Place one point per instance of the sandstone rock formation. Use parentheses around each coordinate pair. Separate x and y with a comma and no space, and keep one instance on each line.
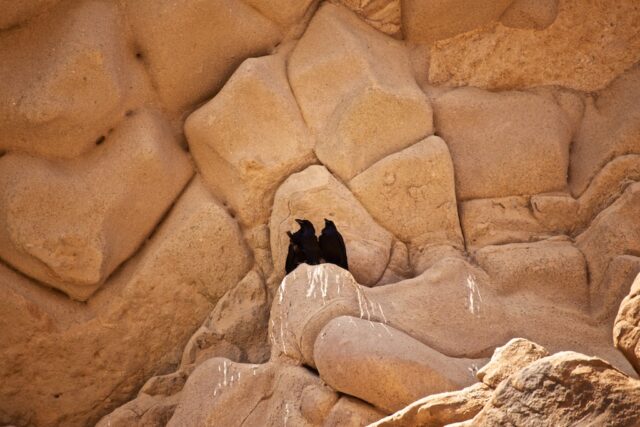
(60,227)
(153,155)
(489,151)
(561,390)
(250,137)
(626,332)
(356,92)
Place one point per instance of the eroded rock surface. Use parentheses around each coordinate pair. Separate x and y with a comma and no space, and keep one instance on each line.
(356,92)
(493,137)
(250,137)
(61,226)
(562,390)
(626,330)
(132,329)
(517,220)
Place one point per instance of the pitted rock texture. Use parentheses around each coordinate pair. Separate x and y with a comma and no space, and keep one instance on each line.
(153,155)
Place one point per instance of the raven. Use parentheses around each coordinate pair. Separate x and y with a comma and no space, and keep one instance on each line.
(332,245)
(295,256)
(308,242)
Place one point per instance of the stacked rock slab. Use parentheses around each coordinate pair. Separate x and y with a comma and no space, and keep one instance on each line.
(67,77)
(250,137)
(356,91)
(136,326)
(60,225)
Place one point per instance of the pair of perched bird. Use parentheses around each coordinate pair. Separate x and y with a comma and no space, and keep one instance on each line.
(305,247)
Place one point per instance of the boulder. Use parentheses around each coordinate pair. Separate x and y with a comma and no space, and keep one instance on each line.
(626,329)
(383,15)
(384,366)
(565,389)
(615,231)
(93,357)
(490,152)
(222,393)
(215,37)
(71,223)
(411,193)
(508,359)
(67,78)
(427,21)
(440,409)
(356,91)
(534,14)
(241,317)
(555,271)
(249,138)
(610,128)
(315,194)
(498,57)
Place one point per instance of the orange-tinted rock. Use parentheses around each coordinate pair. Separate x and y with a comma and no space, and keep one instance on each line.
(426,21)
(250,137)
(499,57)
(192,46)
(610,128)
(71,223)
(356,91)
(66,78)
(95,356)
(494,137)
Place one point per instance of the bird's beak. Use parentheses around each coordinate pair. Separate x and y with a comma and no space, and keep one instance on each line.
(299,221)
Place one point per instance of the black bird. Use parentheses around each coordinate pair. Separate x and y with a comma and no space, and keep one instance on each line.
(308,241)
(295,255)
(332,245)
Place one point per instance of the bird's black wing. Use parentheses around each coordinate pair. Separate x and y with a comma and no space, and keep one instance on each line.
(343,261)
(292,261)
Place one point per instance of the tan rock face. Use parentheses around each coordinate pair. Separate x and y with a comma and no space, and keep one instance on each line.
(518,218)
(440,409)
(614,232)
(412,194)
(271,394)
(356,92)
(535,14)
(133,328)
(555,271)
(315,194)
(67,78)
(426,21)
(215,37)
(383,15)
(626,330)
(611,128)
(60,224)
(250,137)
(349,364)
(499,57)
(14,13)
(493,137)
(562,390)
(508,359)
